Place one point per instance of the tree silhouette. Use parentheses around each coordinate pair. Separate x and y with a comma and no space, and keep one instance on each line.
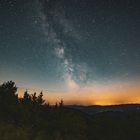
(8,99)
(34,99)
(40,99)
(61,103)
(26,100)
(8,92)
(56,105)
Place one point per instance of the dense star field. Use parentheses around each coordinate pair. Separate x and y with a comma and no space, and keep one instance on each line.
(72,48)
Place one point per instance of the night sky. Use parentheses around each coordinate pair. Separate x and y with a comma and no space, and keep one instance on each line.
(85,51)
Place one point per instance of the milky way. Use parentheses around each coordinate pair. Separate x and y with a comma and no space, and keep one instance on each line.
(93,44)
(68,45)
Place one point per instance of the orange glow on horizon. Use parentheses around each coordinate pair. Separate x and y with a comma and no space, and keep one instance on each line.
(118,93)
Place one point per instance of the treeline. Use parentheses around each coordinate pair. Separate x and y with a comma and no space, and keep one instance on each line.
(31,118)
(9,96)
(15,109)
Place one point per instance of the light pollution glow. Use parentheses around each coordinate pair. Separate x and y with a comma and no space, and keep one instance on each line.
(104,94)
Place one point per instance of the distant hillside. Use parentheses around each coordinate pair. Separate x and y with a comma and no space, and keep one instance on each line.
(98,109)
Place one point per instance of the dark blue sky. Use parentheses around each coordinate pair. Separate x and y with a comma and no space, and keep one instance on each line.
(61,43)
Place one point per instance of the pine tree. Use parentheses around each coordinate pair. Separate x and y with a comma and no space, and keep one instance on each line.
(40,99)
(61,103)
(26,98)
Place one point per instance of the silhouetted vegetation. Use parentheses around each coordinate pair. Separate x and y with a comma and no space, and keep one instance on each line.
(31,118)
